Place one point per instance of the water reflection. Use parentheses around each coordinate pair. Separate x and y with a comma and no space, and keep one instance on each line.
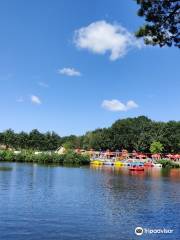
(44,202)
(154,173)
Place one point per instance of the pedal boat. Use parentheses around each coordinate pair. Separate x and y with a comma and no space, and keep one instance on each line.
(136,168)
(97,162)
(118,164)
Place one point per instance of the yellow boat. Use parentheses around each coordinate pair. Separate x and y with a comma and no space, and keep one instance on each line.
(96,162)
(118,164)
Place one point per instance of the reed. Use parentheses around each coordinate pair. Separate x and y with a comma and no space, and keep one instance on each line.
(69,158)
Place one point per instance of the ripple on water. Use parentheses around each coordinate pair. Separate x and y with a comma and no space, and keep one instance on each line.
(39,202)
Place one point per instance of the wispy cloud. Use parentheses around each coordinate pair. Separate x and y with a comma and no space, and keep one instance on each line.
(115,105)
(69,72)
(35,100)
(101,37)
(43,84)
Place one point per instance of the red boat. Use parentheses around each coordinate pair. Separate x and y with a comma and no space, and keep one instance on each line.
(148,164)
(136,168)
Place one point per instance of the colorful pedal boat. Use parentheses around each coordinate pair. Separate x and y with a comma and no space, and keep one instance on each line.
(148,164)
(136,168)
(97,162)
(118,164)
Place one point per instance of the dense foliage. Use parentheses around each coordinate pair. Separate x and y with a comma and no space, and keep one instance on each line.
(131,134)
(156,147)
(163,22)
(69,158)
(168,163)
(136,134)
(32,140)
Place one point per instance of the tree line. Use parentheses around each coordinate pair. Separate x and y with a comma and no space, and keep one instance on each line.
(131,133)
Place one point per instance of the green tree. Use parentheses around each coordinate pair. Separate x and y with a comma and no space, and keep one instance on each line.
(51,141)
(72,142)
(132,134)
(22,140)
(171,137)
(36,140)
(163,18)
(156,147)
(9,138)
(98,139)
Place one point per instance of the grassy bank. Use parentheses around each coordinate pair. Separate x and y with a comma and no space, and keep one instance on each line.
(69,158)
(168,164)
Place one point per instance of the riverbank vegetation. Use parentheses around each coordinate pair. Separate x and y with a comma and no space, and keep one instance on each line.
(131,134)
(156,147)
(168,163)
(68,158)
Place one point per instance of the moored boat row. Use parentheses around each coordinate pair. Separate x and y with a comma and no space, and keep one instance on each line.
(132,164)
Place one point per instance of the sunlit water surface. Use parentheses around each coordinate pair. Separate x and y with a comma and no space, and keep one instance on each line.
(45,202)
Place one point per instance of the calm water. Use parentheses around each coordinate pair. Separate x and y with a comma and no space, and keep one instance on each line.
(41,202)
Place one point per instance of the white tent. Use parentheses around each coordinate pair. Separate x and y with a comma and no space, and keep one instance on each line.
(60,150)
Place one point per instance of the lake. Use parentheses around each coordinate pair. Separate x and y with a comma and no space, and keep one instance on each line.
(51,202)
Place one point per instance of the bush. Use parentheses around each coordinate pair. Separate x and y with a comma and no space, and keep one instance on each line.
(2,155)
(156,147)
(23,157)
(69,158)
(168,163)
(8,156)
(76,159)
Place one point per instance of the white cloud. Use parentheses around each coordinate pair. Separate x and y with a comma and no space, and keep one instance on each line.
(69,72)
(115,105)
(131,104)
(35,99)
(43,84)
(101,37)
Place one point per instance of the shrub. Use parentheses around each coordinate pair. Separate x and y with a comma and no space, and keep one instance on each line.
(57,159)
(76,159)
(69,158)
(8,156)
(156,147)
(168,163)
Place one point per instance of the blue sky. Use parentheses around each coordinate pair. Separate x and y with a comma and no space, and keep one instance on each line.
(73,66)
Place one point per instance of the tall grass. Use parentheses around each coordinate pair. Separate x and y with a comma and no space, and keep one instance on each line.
(69,158)
(168,163)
